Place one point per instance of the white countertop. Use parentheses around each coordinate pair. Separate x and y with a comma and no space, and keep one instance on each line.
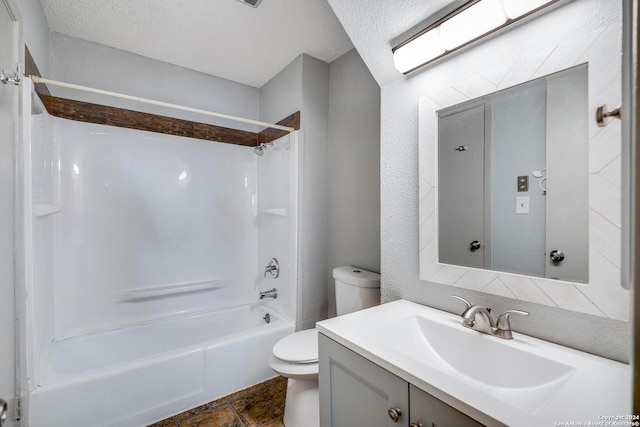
(595,390)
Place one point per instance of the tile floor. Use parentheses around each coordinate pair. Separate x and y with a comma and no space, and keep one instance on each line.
(259,406)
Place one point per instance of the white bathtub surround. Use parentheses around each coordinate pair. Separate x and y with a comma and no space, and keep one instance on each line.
(277,221)
(140,374)
(304,85)
(144,212)
(142,260)
(40,192)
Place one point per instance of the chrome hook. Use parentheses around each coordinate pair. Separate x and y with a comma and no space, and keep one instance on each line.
(14,78)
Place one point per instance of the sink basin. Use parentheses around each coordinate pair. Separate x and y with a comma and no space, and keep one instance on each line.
(479,357)
(522,377)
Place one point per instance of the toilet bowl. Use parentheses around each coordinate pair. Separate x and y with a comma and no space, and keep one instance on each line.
(296,356)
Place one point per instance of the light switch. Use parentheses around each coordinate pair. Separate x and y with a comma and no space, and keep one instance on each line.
(522,205)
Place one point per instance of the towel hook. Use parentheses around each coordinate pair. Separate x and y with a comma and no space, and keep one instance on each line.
(602,115)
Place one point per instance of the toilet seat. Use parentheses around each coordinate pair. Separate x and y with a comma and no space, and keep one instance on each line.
(300,371)
(300,347)
(296,355)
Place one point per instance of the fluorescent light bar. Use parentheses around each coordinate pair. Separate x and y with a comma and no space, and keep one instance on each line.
(516,8)
(473,20)
(422,49)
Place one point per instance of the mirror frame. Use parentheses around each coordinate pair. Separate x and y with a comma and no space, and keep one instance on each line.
(600,49)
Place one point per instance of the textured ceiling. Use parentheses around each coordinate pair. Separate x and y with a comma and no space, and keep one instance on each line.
(373,24)
(224,38)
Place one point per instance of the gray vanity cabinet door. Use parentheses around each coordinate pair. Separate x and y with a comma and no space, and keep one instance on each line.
(428,411)
(355,392)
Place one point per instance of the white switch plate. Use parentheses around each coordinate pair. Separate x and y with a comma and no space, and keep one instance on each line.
(522,205)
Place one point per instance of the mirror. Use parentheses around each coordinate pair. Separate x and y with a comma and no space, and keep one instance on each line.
(558,41)
(513,179)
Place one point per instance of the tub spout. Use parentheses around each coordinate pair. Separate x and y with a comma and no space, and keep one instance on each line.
(272,293)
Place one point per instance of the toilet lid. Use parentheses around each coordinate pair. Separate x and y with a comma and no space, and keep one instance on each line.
(301,347)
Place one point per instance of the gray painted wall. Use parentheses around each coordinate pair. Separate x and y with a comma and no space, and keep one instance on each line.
(354,168)
(304,85)
(86,63)
(313,301)
(282,95)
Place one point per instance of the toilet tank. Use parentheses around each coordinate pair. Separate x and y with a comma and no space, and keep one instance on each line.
(356,289)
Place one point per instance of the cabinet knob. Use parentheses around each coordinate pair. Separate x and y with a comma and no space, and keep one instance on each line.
(416,425)
(394,414)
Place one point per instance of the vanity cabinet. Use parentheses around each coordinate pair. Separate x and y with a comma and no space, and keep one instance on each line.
(427,411)
(355,392)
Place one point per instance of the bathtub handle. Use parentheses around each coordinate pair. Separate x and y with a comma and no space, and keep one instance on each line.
(273,268)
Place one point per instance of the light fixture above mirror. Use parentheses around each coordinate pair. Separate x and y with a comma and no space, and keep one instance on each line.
(467,23)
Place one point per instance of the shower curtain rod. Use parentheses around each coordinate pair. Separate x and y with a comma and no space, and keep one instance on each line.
(37,79)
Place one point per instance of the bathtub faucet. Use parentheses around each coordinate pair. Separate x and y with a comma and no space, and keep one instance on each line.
(273,268)
(272,293)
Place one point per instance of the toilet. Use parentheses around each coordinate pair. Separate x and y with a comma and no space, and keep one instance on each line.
(296,356)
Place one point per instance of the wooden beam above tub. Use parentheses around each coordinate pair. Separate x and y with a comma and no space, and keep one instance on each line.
(120,117)
(269,135)
(31,69)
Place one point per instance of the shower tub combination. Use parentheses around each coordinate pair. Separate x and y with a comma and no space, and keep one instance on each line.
(120,228)
(136,375)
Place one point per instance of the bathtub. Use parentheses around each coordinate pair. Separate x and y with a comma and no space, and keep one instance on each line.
(137,375)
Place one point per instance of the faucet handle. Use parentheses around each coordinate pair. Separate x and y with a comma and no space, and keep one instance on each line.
(503,325)
(273,268)
(463,300)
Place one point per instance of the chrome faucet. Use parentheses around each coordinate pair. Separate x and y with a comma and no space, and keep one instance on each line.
(479,318)
(271,293)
